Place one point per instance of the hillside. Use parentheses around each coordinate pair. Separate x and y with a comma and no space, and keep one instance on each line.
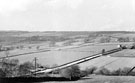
(25,37)
(63,47)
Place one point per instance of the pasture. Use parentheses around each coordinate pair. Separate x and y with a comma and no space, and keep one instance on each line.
(102,79)
(61,55)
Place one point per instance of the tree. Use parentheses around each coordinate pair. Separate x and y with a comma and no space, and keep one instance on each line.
(21,46)
(90,70)
(86,40)
(103,71)
(7,53)
(1,47)
(105,40)
(52,43)
(25,68)
(10,67)
(122,39)
(37,47)
(71,73)
(133,39)
(34,38)
(2,73)
(29,47)
(68,43)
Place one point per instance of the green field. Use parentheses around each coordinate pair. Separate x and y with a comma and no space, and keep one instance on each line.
(102,79)
(60,53)
(64,55)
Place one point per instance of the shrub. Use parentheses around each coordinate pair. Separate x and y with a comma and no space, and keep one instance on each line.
(25,68)
(90,70)
(123,72)
(104,40)
(2,73)
(127,71)
(117,72)
(71,73)
(9,67)
(83,73)
(123,39)
(133,46)
(103,71)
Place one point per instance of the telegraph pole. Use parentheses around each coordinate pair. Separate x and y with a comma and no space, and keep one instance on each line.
(35,64)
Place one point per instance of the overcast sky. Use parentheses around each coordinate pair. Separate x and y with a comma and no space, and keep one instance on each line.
(67,15)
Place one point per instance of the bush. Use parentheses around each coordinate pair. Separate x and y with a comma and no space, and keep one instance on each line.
(105,40)
(133,46)
(2,73)
(117,72)
(9,67)
(123,72)
(126,71)
(25,68)
(103,71)
(71,73)
(90,70)
(83,73)
(124,39)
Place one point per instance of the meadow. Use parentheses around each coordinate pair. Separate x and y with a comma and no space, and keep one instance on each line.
(75,48)
(101,79)
(62,55)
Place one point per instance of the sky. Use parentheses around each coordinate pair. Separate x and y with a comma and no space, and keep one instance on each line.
(67,15)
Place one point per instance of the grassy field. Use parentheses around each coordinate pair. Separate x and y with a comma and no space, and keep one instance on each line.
(62,56)
(102,79)
(71,53)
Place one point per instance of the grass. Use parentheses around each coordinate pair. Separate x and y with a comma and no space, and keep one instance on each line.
(62,56)
(70,54)
(101,79)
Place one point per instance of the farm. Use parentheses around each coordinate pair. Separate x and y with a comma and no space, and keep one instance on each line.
(66,55)
(51,54)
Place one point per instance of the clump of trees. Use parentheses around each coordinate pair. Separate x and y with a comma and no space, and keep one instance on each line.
(88,71)
(12,68)
(9,67)
(102,71)
(71,73)
(133,46)
(124,39)
(119,72)
(52,43)
(25,68)
(89,40)
(105,40)
(6,48)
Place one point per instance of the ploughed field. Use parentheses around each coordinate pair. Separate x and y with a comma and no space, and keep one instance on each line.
(63,55)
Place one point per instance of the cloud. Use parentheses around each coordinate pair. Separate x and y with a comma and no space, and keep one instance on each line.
(74,3)
(67,14)
(9,6)
(133,5)
(69,3)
